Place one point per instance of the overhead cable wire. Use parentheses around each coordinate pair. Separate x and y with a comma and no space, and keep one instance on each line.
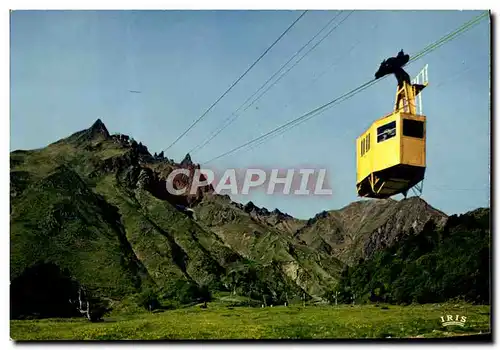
(283,128)
(444,82)
(466,26)
(463,28)
(237,81)
(232,118)
(311,83)
(298,61)
(295,121)
(429,48)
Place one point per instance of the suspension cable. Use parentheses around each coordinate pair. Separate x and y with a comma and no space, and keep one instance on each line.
(232,118)
(287,126)
(237,81)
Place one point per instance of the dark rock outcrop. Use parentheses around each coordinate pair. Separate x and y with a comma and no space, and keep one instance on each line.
(186,162)
(408,217)
(364,227)
(136,167)
(96,132)
(275,218)
(98,128)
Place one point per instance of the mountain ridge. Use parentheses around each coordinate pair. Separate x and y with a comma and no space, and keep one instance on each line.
(94,200)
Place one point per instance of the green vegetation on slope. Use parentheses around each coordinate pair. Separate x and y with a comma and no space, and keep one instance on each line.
(62,221)
(303,266)
(432,266)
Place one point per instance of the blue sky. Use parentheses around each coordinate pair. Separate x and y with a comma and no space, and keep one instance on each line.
(70,67)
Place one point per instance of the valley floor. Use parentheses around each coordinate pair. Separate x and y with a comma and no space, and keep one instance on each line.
(279,322)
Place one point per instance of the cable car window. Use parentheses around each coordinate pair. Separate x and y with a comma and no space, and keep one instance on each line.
(413,128)
(386,131)
(368,142)
(362,146)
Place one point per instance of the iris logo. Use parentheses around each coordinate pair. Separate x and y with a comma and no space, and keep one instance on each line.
(453,320)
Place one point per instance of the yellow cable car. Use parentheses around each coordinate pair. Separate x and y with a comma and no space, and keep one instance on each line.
(391,153)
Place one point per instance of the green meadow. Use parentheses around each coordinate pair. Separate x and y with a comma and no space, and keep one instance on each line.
(219,321)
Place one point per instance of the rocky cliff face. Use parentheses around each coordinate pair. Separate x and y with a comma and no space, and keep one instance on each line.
(348,234)
(134,166)
(361,228)
(406,217)
(96,132)
(276,219)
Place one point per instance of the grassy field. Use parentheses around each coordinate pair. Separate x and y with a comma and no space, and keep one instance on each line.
(294,322)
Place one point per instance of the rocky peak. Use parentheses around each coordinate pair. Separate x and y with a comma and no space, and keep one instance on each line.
(364,227)
(96,132)
(249,207)
(322,215)
(98,128)
(276,211)
(187,161)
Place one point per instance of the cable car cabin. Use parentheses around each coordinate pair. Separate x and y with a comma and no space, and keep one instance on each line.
(391,153)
